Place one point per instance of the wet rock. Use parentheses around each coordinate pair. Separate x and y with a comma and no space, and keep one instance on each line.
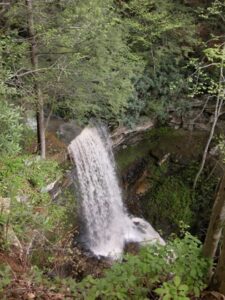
(130,135)
(149,235)
(134,172)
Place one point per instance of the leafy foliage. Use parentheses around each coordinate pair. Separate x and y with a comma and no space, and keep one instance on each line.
(179,265)
(32,212)
(11,129)
(173,290)
(26,172)
(157,33)
(84,58)
(113,60)
(169,201)
(173,199)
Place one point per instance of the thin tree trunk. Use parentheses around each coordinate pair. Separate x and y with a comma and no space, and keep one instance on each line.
(219,104)
(216,223)
(218,280)
(39,96)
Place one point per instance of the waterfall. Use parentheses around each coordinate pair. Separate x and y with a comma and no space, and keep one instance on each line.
(107,224)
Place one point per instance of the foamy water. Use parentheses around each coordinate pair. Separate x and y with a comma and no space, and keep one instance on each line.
(108,225)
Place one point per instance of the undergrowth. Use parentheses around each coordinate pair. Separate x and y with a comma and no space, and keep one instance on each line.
(171,200)
(32,218)
(176,271)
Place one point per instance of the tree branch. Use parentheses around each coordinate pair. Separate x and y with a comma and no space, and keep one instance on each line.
(17,74)
(219,103)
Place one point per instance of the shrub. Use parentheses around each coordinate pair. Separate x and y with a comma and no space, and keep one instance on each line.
(169,201)
(173,200)
(11,129)
(24,174)
(33,214)
(178,269)
(175,271)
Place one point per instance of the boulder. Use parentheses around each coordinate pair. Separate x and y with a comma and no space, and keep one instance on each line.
(146,232)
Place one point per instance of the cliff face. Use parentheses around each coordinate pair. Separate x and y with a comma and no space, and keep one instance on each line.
(157,175)
(198,117)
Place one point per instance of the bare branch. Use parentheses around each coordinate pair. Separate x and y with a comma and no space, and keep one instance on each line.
(219,104)
(201,112)
(17,74)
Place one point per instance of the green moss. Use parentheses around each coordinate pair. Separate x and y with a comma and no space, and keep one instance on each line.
(129,155)
(169,199)
(172,201)
(162,132)
(126,157)
(160,141)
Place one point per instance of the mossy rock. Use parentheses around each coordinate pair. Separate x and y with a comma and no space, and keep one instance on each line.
(182,145)
(162,192)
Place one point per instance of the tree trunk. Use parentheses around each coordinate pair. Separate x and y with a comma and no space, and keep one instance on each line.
(39,96)
(218,280)
(215,225)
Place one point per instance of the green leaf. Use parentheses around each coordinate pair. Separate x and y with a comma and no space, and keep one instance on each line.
(183,287)
(177,281)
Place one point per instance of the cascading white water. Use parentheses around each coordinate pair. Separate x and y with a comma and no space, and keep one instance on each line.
(108,225)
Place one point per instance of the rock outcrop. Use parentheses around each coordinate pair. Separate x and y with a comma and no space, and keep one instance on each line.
(124,135)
